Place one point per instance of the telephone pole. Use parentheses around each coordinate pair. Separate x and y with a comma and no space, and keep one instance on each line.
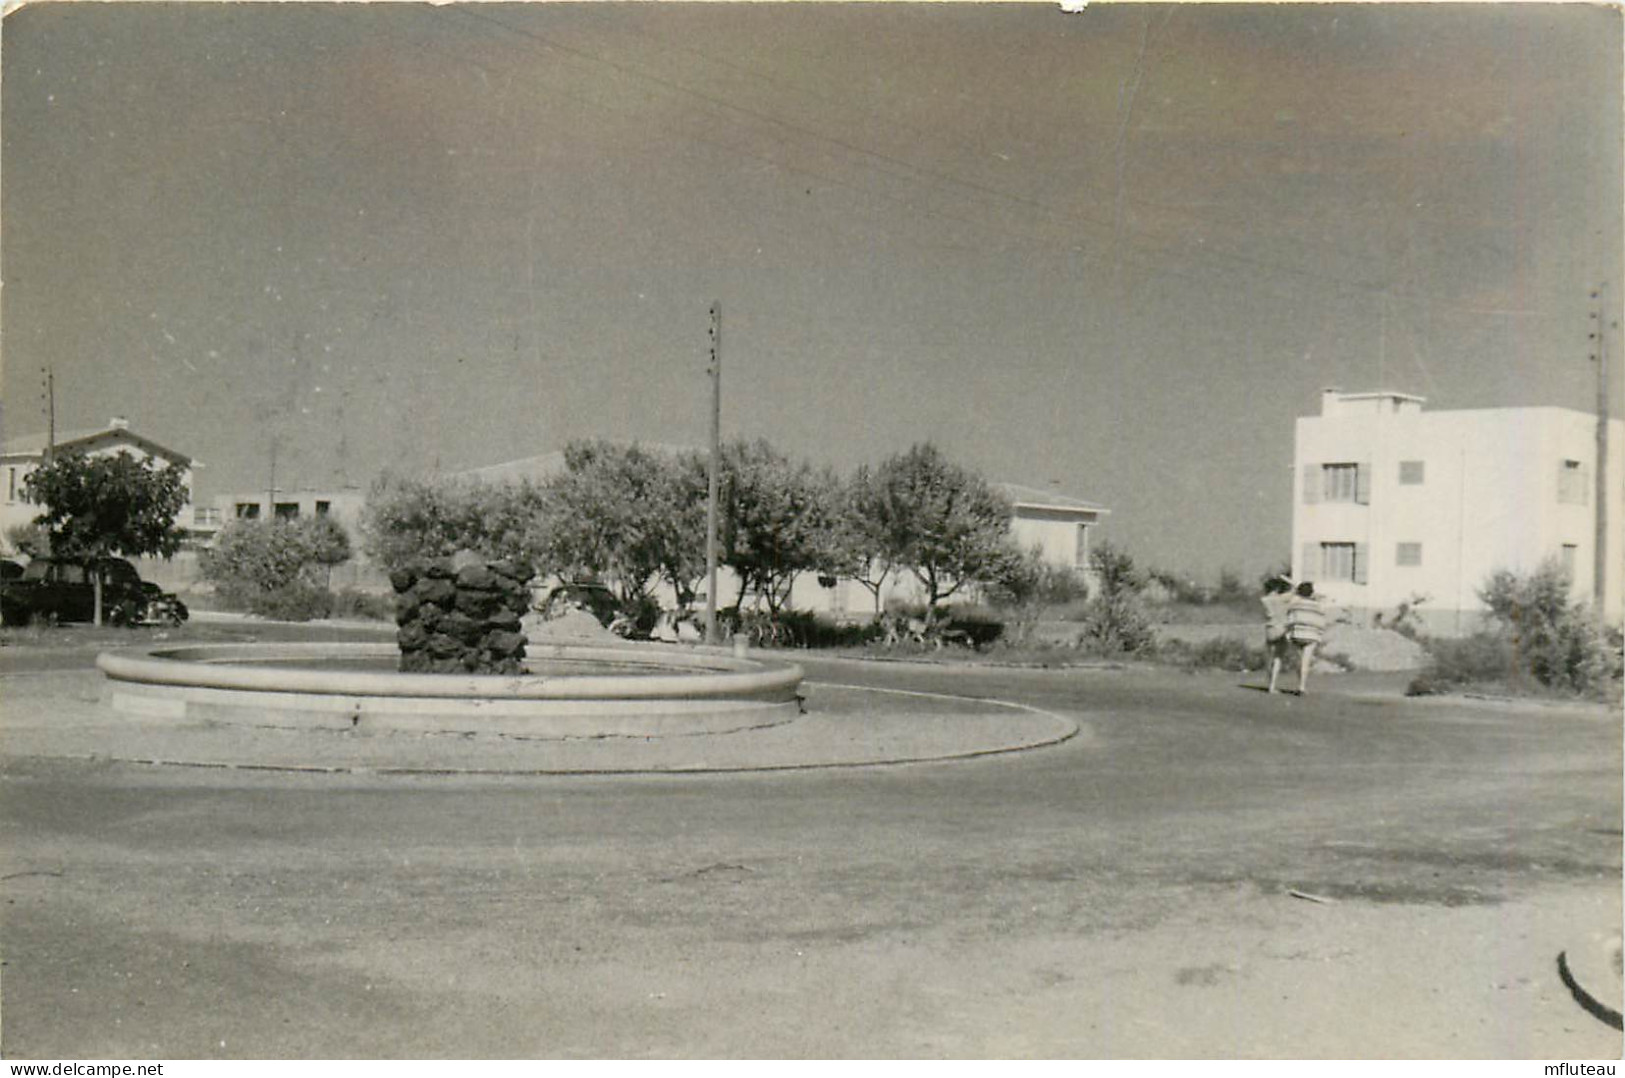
(1599,586)
(714,481)
(50,413)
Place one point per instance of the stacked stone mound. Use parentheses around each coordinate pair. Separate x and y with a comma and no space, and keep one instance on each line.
(460,615)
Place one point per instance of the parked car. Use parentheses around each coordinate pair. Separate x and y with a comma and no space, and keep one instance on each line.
(599,601)
(56,589)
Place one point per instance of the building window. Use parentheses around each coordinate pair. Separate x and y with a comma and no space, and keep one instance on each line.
(1080,553)
(1411,473)
(287,510)
(248,510)
(1345,562)
(323,508)
(204,516)
(11,485)
(1408,554)
(1571,554)
(1572,487)
(1338,482)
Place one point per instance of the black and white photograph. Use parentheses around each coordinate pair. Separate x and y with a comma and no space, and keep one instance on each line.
(804,530)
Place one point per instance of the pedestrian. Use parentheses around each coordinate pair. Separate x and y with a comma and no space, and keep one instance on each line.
(1277,596)
(1305,627)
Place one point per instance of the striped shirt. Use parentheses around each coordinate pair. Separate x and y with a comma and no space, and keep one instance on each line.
(1305,620)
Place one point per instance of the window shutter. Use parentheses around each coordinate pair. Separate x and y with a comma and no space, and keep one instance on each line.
(1311,484)
(1360,557)
(1362,483)
(1309,568)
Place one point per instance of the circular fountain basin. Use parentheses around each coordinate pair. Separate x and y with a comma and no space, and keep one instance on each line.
(569,690)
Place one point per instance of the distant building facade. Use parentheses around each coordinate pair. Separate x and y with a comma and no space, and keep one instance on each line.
(344,505)
(1394,503)
(1058,525)
(21,456)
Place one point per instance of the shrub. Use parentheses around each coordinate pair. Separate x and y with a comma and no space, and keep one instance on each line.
(276,568)
(1219,653)
(1024,586)
(295,601)
(1540,636)
(1484,658)
(355,603)
(1115,620)
(809,630)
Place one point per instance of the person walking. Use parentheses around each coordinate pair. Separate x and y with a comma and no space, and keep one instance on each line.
(1277,596)
(1305,627)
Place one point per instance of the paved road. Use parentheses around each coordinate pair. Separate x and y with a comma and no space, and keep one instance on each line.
(1127,893)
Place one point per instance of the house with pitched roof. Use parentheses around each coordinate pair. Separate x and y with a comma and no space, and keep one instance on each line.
(20,456)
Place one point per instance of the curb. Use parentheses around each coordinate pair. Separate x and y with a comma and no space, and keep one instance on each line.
(1592,976)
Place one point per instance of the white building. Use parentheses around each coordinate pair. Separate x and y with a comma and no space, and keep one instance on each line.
(1395,504)
(22,455)
(1057,524)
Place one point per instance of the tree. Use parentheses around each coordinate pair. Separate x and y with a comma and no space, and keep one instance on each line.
(628,516)
(329,544)
(943,522)
(857,546)
(777,519)
(109,505)
(410,519)
(681,552)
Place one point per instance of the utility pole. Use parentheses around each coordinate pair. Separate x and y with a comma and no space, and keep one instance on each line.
(715,479)
(50,413)
(270,489)
(1599,577)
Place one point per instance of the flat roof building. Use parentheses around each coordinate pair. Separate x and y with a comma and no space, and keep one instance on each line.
(1395,504)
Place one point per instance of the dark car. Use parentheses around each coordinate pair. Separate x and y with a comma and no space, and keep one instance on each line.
(54,589)
(595,599)
(598,600)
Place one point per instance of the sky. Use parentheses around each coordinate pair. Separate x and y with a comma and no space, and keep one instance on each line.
(1114,252)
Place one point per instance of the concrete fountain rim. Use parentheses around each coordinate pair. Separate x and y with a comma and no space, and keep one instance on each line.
(706,673)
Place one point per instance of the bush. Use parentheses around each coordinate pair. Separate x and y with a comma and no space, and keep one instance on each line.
(810,631)
(1220,653)
(276,568)
(298,601)
(1115,620)
(1482,659)
(1541,638)
(355,603)
(1023,588)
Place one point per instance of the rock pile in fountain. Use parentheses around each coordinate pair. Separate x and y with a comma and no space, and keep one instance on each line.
(460,615)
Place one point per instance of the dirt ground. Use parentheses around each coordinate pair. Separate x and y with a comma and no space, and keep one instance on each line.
(1129,893)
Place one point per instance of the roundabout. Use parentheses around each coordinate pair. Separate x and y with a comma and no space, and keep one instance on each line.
(331,707)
